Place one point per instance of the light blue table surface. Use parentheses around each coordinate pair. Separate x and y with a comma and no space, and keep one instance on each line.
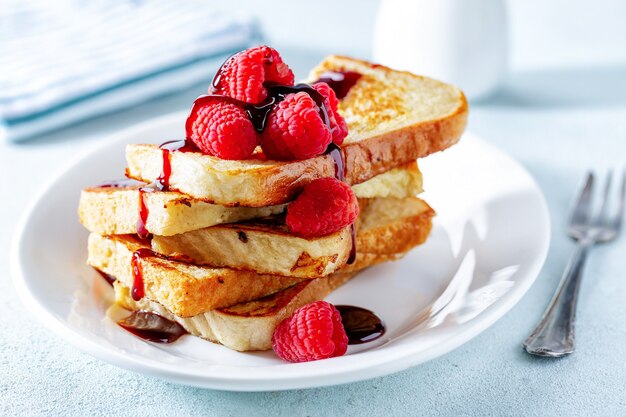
(557,122)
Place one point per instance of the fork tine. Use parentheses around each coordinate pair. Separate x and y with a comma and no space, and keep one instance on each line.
(580,215)
(617,222)
(601,219)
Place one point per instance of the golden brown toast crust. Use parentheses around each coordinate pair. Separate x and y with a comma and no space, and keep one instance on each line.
(368,155)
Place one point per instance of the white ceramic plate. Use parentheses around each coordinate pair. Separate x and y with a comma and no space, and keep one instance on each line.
(488,244)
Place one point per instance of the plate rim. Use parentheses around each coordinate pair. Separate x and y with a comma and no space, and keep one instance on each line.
(236,382)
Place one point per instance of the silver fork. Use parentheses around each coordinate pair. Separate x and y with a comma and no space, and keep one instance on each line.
(554,335)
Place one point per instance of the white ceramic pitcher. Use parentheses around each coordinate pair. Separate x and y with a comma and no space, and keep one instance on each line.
(463,42)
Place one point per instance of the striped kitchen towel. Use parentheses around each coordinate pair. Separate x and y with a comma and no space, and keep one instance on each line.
(66,61)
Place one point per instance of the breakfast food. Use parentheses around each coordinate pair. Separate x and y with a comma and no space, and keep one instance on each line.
(393,118)
(279,194)
(403,224)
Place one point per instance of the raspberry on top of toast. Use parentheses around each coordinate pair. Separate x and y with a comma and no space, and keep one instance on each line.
(291,122)
(253,102)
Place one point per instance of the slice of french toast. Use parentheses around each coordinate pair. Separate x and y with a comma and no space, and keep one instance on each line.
(249,326)
(115,211)
(389,225)
(186,289)
(264,246)
(393,118)
(246,326)
(183,288)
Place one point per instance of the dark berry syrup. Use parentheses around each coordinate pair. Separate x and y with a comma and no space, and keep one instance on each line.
(361,325)
(163,181)
(340,81)
(152,326)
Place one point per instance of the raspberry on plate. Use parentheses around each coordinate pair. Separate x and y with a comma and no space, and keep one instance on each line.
(338,127)
(243,75)
(295,129)
(326,205)
(313,332)
(221,128)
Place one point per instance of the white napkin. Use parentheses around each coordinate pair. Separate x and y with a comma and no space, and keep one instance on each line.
(66,61)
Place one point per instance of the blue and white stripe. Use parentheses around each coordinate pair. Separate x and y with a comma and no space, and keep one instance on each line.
(59,65)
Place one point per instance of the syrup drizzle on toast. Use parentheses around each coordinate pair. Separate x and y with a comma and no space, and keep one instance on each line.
(334,151)
(137,290)
(163,181)
(258,113)
(340,81)
(144,212)
(180,145)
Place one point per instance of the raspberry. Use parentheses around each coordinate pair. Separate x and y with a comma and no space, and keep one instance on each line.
(242,76)
(325,206)
(277,71)
(338,127)
(221,128)
(313,332)
(295,130)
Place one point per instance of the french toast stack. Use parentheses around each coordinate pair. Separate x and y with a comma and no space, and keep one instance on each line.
(202,241)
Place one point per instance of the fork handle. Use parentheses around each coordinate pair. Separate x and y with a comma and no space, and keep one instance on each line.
(554,335)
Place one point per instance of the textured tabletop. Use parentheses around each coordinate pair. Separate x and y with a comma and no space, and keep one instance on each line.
(557,122)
